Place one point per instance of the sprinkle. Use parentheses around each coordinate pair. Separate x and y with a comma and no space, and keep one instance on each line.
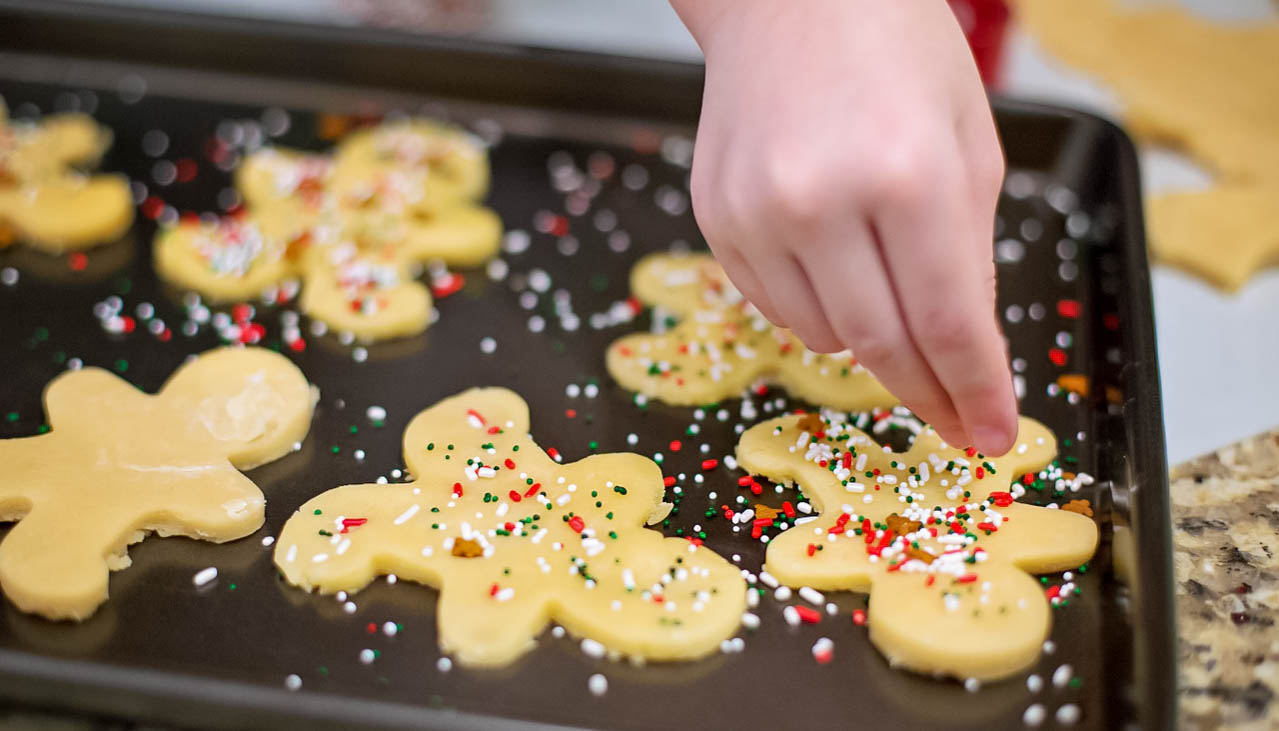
(408,513)
(444,665)
(292,682)
(488,345)
(204,576)
(367,656)
(823,650)
(1062,675)
(390,629)
(268,540)
(598,684)
(1068,714)
(791,615)
(811,595)
(1034,683)
(1034,715)
(592,648)
(376,413)
(808,615)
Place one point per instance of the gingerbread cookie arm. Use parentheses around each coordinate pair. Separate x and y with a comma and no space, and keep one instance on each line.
(228,261)
(1224,235)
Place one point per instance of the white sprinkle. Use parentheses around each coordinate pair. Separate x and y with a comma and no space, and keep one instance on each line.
(505,595)
(1062,675)
(782,594)
(592,648)
(292,554)
(204,576)
(8,276)
(1034,715)
(389,629)
(444,665)
(972,685)
(1068,714)
(409,512)
(292,682)
(349,607)
(1034,684)
(366,656)
(268,540)
(823,649)
(598,684)
(359,355)
(1049,647)
(791,615)
(749,620)
(811,595)
(320,558)
(488,345)
(769,580)
(376,413)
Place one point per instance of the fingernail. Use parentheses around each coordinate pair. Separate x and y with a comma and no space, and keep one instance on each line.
(992,440)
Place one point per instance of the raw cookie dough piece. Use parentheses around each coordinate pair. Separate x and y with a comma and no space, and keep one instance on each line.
(930,610)
(227,260)
(430,166)
(356,230)
(370,294)
(1224,235)
(722,345)
(513,541)
(1207,87)
(43,201)
(119,463)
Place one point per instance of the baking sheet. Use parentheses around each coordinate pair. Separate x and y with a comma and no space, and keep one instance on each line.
(219,656)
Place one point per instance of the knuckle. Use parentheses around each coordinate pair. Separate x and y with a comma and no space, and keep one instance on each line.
(900,175)
(797,188)
(873,349)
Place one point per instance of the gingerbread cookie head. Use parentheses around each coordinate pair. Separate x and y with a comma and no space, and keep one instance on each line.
(416,164)
(721,345)
(934,534)
(274,176)
(514,540)
(369,292)
(119,463)
(43,200)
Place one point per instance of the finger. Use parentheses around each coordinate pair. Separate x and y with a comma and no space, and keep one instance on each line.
(748,283)
(929,239)
(853,288)
(791,291)
(983,159)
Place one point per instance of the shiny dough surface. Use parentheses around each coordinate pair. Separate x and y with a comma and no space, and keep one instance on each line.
(721,345)
(513,541)
(119,463)
(949,571)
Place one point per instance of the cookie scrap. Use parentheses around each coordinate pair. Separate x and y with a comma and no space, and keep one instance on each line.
(562,543)
(722,345)
(119,463)
(356,226)
(44,201)
(1224,235)
(968,610)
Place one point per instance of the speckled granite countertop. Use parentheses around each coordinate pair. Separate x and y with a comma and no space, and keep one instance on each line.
(1225,512)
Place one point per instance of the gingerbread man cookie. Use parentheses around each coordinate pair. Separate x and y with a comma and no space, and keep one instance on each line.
(721,345)
(119,463)
(934,534)
(358,248)
(43,200)
(513,541)
(1224,235)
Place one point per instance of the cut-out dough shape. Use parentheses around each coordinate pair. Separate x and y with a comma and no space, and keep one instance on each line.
(933,534)
(1224,235)
(44,202)
(119,463)
(1205,86)
(513,540)
(721,345)
(357,246)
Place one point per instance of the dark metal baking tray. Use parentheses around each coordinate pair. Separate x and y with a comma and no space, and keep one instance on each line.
(162,651)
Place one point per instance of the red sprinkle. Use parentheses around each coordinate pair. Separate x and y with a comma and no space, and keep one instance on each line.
(788,509)
(812,549)
(1068,308)
(967,578)
(446,285)
(808,615)
(349,523)
(570,413)
(576,523)
(709,464)
(859,616)
(477,415)
(493,590)
(510,463)
(676,446)
(532,489)
(152,207)
(514,496)
(457,489)
(1057,356)
(186,170)
(669,480)
(77,261)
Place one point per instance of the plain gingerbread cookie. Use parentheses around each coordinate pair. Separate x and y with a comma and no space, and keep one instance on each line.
(118,464)
(514,541)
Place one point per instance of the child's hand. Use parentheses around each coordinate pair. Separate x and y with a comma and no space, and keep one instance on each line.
(845,175)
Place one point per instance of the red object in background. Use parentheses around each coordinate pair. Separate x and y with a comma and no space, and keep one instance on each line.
(984,23)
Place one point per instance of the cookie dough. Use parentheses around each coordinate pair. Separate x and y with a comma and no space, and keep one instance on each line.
(1224,235)
(44,202)
(934,534)
(513,541)
(721,345)
(357,247)
(1207,87)
(119,463)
